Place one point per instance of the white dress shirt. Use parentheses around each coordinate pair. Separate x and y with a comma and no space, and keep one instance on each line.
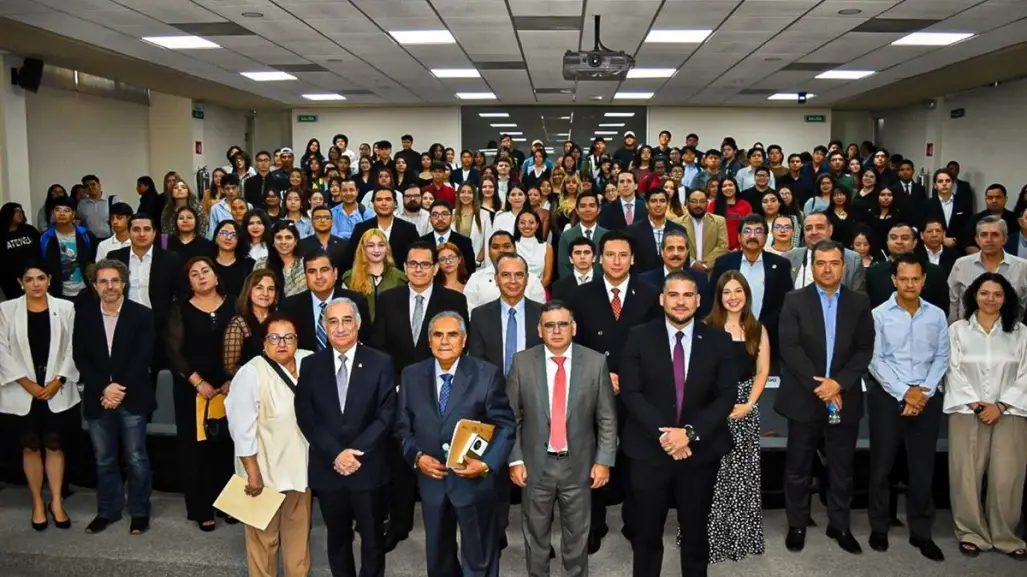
(623,288)
(697,224)
(387,231)
(934,257)
(315,304)
(986,367)
(445,236)
(946,207)
(504,318)
(139,277)
(551,368)
(590,229)
(805,276)
(421,220)
(438,378)
(481,288)
(413,302)
(584,278)
(111,244)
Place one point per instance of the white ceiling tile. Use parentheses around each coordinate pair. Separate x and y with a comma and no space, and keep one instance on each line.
(321,9)
(78,6)
(282,30)
(984,16)
(835,25)
(378,9)
(184,14)
(775,7)
(546,7)
(755,23)
(867,8)
(12,7)
(929,9)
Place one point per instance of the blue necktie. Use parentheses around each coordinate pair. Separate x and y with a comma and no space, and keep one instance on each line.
(442,239)
(510,347)
(447,385)
(319,330)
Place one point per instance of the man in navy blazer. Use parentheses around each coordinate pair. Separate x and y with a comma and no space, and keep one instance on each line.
(617,215)
(436,394)
(346,406)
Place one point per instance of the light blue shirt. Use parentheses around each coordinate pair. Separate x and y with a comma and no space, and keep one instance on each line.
(530,161)
(438,378)
(691,170)
(829,306)
(909,350)
(343,224)
(315,304)
(304,227)
(504,308)
(755,276)
(747,179)
(219,212)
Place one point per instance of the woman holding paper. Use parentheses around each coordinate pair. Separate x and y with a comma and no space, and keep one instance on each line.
(271,450)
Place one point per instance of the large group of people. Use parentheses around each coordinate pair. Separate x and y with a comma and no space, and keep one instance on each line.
(328,318)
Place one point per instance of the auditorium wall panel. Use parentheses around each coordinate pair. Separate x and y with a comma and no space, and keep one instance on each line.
(426,124)
(784,126)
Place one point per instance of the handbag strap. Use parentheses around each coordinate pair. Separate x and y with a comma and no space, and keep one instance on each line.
(281,372)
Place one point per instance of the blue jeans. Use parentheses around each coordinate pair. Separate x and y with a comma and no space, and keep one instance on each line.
(110,492)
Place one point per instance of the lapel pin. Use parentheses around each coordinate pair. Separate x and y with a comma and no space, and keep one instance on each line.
(773,266)
(360,365)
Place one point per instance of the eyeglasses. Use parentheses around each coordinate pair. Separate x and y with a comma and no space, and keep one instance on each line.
(752,231)
(288,339)
(323,217)
(438,215)
(783,227)
(423,265)
(228,234)
(448,259)
(551,326)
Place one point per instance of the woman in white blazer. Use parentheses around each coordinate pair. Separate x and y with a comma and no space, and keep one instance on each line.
(38,386)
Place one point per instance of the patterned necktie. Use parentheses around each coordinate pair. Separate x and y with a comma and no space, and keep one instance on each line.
(679,373)
(442,239)
(319,330)
(588,234)
(629,213)
(659,238)
(447,386)
(615,304)
(558,417)
(510,347)
(342,382)
(415,324)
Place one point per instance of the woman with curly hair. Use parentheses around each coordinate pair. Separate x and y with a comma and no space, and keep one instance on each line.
(374,270)
(182,195)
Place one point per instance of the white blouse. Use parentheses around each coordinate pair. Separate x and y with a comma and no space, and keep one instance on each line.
(258,252)
(534,252)
(986,367)
(504,220)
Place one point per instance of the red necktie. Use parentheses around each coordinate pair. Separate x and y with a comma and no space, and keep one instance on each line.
(615,304)
(558,420)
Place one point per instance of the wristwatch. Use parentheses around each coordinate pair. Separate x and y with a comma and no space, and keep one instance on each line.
(691,434)
(417,458)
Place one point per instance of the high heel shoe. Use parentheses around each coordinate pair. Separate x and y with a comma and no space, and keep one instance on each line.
(65,524)
(40,526)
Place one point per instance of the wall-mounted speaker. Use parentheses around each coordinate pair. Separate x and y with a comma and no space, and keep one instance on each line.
(29,76)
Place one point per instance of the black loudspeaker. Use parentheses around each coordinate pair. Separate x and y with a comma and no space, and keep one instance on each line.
(30,75)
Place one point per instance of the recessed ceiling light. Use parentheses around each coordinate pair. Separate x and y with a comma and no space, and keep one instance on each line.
(475,96)
(456,73)
(519,139)
(932,38)
(633,96)
(273,76)
(613,124)
(619,114)
(252,14)
(493,115)
(843,74)
(180,42)
(513,133)
(677,36)
(789,96)
(324,97)
(409,37)
(504,125)
(605,132)
(651,72)
(595,97)
(850,12)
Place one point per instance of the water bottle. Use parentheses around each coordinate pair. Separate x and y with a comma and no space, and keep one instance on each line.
(833,416)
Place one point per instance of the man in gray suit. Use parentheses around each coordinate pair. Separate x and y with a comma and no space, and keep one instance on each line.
(816,228)
(566,441)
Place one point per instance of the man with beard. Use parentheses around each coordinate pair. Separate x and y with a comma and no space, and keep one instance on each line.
(674,253)
(880,287)
(707,233)
(413,212)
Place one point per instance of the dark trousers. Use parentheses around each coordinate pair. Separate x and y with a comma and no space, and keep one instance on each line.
(617,491)
(655,486)
(889,431)
(341,509)
(840,447)
(402,492)
(206,467)
(479,540)
(113,430)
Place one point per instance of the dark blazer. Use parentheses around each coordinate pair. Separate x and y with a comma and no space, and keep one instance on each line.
(365,424)
(963,188)
(803,356)
(478,394)
(969,236)
(948,257)
(402,236)
(962,214)
(485,335)
(335,249)
(777,277)
(880,287)
(647,391)
(647,254)
(456,177)
(391,331)
(916,196)
(528,178)
(462,242)
(128,363)
(563,289)
(597,328)
(167,280)
(300,308)
(656,277)
(611,217)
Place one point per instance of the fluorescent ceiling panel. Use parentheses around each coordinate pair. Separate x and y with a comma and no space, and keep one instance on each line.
(324,97)
(180,42)
(455,73)
(475,96)
(789,96)
(843,74)
(494,115)
(414,37)
(272,76)
(619,114)
(677,36)
(932,38)
(651,72)
(633,96)
(605,132)
(612,124)
(504,125)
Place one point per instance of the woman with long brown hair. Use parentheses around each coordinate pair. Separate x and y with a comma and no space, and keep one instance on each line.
(736,518)
(471,220)
(257,300)
(374,271)
(452,269)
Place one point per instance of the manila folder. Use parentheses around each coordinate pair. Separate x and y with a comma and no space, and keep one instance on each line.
(463,436)
(256,512)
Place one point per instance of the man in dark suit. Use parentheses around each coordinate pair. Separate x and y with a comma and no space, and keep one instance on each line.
(961,187)
(442,231)
(346,406)
(466,173)
(321,218)
(498,330)
(674,254)
(399,232)
(679,384)
(880,287)
(606,309)
(401,327)
(649,232)
(768,274)
(113,346)
(826,343)
(627,209)
(308,307)
(995,199)
(435,395)
(955,210)
(933,249)
(581,254)
(907,192)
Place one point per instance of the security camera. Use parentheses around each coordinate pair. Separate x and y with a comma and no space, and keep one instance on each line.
(802,98)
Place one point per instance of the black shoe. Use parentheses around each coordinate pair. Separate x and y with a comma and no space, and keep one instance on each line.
(207,526)
(595,542)
(879,541)
(796,539)
(927,548)
(503,543)
(552,553)
(1018,555)
(392,540)
(41,526)
(230,520)
(139,525)
(845,540)
(65,524)
(98,525)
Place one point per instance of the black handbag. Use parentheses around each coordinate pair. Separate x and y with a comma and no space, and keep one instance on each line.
(215,429)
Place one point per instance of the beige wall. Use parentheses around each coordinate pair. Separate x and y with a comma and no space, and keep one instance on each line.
(425,124)
(784,126)
(170,132)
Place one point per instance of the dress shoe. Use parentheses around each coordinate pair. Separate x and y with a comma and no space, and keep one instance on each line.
(503,543)
(552,553)
(392,540)
(845,540)
(65,524)
(41,526)
(879,541)
(927,548)
(796,539)
(595,542)
(98,525)
(139,525)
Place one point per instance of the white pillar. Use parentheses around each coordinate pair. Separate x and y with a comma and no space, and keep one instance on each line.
(14,146)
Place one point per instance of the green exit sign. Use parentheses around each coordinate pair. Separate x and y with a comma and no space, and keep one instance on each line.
(198,114)
(815,118)
(306,118)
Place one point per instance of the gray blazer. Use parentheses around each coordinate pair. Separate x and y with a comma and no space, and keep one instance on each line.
(591,413)
(854,277)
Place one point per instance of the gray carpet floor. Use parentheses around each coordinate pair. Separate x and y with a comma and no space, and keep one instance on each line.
(174,547)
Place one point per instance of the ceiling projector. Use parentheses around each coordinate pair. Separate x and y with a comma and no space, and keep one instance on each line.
(598,64)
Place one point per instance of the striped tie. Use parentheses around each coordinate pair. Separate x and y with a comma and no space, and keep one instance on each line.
(319,330)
